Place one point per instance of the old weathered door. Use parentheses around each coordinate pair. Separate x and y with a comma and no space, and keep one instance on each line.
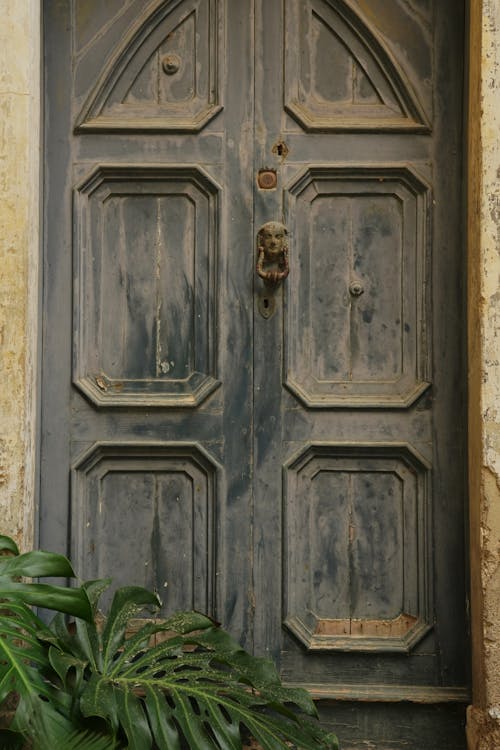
(287,457)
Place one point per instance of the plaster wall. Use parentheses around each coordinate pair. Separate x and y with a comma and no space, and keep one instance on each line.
(19,252)
(484,370)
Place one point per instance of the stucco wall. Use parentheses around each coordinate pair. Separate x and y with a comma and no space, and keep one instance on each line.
(484,371)
(19,251)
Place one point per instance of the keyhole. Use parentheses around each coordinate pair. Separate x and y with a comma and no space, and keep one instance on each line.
(280,149)
(267,305)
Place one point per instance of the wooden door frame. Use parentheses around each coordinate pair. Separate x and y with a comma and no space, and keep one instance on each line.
(20,252)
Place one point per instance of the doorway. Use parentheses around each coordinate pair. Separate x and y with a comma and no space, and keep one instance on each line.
(286,454)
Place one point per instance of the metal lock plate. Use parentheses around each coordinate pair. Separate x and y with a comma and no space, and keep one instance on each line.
(267,179)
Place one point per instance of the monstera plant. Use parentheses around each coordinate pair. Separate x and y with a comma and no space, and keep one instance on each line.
(40,708)
(177,683)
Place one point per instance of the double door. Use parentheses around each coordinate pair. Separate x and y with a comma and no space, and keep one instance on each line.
(284,453)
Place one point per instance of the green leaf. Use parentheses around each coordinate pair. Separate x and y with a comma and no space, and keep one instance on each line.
(60,637)
(133,719)
(226,731)
(199,689)
(192,728)
(196,688)
(36,564)
(61,663)
(7,682)
(163,728)
(8,545)
(14,659)
(24,665)
(89,640)
(74,740)
(16,611)
(98,699)
(51,732)
(95,589)
(71,601)
(127,602)
(187,622)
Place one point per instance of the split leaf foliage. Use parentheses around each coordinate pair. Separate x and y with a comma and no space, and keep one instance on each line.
(174,684)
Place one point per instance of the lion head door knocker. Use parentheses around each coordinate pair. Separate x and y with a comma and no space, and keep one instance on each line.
(272,263)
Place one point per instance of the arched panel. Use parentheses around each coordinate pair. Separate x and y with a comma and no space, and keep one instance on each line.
(164,77)
(343,78)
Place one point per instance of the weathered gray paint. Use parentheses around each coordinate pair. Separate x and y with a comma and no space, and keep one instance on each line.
(298,476)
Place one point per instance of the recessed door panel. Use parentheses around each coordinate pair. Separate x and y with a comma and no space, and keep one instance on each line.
(339,77)
(164,75)
(146,248)
(167,494)
(356,548)
(358,295)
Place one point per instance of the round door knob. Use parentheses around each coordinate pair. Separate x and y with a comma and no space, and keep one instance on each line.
(171,64)
(356,289)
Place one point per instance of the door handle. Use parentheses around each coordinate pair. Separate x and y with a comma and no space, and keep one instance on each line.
(272,253)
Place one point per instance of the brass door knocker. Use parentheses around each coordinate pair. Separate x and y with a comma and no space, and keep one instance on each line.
(272,253)
(272,263)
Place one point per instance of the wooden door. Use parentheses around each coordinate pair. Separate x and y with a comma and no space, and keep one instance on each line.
(287,458)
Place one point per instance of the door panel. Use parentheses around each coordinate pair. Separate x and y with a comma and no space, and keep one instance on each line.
(163,76)
(168,495)
(346,531)
(284,458)
(360,245)
(357,548)
(146,250)
(368,90)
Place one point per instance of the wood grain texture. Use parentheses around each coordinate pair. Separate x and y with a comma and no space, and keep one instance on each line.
(356,544)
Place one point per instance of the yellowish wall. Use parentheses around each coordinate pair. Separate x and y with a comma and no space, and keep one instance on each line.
(19,252)
(484,371)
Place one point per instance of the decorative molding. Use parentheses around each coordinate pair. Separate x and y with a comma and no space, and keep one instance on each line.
(141,90)
(314,640)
